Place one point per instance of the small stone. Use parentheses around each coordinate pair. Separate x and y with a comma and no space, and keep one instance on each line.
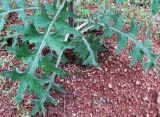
(111,72)
(129,57)
(138,83)
(143,72)
(110,86)
(149,88)
(150,72)
(102,54)
(74,114)
(158,99)
(125,70)
(130,110)
(115,47)
(106,69)
(110,58)
(154,70)
(147,115)
(101,101)
(145,99)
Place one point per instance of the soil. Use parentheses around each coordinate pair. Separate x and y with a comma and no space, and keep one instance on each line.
(115,91)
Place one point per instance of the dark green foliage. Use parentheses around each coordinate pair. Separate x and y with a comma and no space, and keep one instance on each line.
(115,23)
(155,6)
(87,49)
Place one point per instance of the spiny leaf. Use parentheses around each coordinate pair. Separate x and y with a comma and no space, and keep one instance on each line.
(6,5)
(51,9)
(25,80)
(29,33)
(56,43)
(20,3)
(23,53)
(64,29)
(122,42)
(2,22)
(47,64)
(32,35)
(57,87)
(60,72)
(120,1)
(21,90)
(148,65)
(51,100)
(34,86)
(137,55)
(147,43)
(107,32)
(119,21)
(41,19)
(86,50)
(22,16)
(134,28)
(35,110)
(155,6)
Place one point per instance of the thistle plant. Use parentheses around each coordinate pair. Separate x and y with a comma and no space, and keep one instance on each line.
(47,26)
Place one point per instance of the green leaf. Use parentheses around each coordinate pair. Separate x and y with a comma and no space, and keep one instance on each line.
(64,29)
(57,87)
(20,3)
(29,33)
(120,1)
(2,22)
(21,90)
(60,72)
(47,64)
(50,9)
(25,81)
(22,16)
(134,28)
(107,32)
(23,53)
(56,43)
(148,65)
(147,43)
(86,50)
(32,35)
(119,21)
(34,86)
(122,42)
(155,6)
(41,19)
(35,110)
(6,5)
(51,100)
(137,55)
